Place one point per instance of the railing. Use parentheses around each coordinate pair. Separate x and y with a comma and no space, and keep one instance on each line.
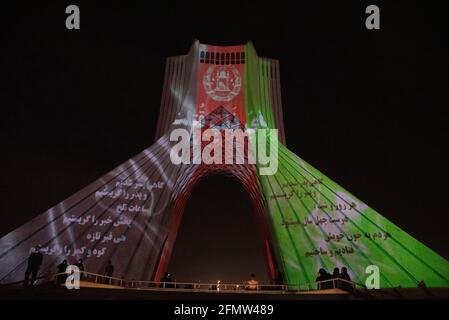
(141,284)
(92,277)
(335,283)
(198,286)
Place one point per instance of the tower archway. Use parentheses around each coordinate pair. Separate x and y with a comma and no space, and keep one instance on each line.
(243,175)
(218,237)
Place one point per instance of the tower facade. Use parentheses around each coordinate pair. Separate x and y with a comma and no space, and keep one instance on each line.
(131,215)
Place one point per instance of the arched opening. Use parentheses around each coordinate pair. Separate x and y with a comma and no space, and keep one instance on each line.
(219,237)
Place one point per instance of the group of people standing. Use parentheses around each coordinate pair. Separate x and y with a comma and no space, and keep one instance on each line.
(35,261)
(325,280)
(62,267)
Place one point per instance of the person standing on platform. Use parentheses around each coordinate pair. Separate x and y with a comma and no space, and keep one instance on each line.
(62,267)
(335,277)
(252,283)
(347,286)
(80,266)
(279,279)
(34,262)
(323,275)
(109,271)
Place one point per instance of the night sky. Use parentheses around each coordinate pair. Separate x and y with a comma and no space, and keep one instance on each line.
(367,108)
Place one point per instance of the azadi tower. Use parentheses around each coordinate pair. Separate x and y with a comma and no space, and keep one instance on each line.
(131,215)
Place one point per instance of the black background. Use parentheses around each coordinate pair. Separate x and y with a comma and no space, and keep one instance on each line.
(367,108)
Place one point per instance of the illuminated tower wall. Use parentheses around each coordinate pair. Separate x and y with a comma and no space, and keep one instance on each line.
(131,215)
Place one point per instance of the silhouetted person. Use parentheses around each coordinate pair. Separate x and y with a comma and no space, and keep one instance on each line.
(422,285)
(345,276)
(109,271)
(328,284)
(323,275)
(320,278)
(61,269)
(34,262)
(336,275)
(252,282)
(80,264)
(167,278)
(279,278)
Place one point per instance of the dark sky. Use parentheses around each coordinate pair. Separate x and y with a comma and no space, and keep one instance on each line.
(367,108)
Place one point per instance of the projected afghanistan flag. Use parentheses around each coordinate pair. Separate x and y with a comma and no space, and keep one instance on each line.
(307,221)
